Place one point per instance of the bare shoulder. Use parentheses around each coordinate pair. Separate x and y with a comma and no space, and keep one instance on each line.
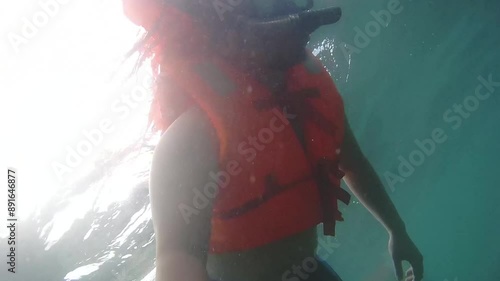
(189,142)
(192,129)
(182,161)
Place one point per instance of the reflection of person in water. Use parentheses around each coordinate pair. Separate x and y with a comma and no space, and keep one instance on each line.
(255,143)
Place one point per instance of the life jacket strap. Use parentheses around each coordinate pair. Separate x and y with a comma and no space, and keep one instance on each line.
(272,189)
(330,193)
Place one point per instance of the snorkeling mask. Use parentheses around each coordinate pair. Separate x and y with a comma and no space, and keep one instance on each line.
(271,18)
(273,33)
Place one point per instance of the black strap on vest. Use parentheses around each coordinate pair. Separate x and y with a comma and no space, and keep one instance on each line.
(328,193)
(323,169)
(272,188)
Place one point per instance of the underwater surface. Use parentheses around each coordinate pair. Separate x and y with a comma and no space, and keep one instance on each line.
(409,83)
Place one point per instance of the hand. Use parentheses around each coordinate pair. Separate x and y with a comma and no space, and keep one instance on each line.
(402,248)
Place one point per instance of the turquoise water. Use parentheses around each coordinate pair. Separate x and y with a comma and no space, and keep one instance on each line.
(397,86)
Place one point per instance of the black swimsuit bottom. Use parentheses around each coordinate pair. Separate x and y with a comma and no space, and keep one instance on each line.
(324,272)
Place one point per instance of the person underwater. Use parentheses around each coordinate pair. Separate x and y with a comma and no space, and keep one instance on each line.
(254,143)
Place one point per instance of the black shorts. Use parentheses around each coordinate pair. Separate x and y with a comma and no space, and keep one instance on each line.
(324,272)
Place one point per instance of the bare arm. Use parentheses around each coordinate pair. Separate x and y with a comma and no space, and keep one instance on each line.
(182,161)
(366,185)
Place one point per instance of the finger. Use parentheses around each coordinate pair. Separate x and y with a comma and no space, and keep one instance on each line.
(409,272)
(399,269)
(409,275)
(418,268)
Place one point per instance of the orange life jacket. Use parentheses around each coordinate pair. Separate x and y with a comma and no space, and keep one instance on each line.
(278,155)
